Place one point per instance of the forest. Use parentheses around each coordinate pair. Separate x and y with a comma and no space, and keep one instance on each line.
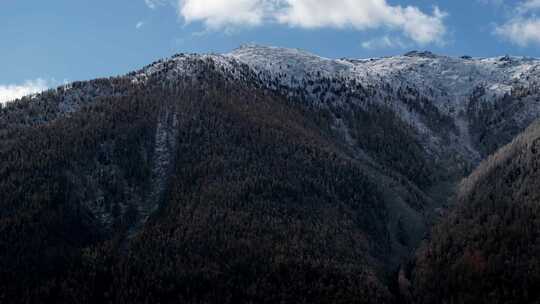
(260,206)
(198,188)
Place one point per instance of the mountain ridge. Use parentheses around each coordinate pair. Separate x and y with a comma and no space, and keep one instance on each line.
(210,156)
(451,128)
(449,90)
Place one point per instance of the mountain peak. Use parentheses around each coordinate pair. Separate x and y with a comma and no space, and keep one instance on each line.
(257,49)
(251,46)
(422,54)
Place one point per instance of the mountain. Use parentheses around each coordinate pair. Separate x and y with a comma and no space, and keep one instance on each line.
(487,249)
(262,175)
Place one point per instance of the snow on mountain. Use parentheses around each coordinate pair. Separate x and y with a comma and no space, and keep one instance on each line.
(443,113)
(421,88)
(449,81)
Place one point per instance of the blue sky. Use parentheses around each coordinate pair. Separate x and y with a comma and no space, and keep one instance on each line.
(45,43)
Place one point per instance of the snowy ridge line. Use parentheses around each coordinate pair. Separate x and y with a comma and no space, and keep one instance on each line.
(447,81)
(405,84)
(420,88)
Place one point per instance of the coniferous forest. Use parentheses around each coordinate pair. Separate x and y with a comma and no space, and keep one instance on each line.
(201,188)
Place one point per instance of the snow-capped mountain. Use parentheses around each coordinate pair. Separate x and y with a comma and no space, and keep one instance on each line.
(451,89)
(457,106)
(447,83)
(276,154)
(450,80)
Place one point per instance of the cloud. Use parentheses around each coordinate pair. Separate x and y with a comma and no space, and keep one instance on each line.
(12,91)
(523,27)
(139,25)
(385,42)
(311,14)
(497,3)
(520,31)
(529,5)
(216,14)
(362,15)
(153,4)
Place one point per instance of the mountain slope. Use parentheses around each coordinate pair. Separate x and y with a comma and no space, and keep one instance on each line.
(263,175)
(461,109)
(445,89)
(487,250)
(255,197)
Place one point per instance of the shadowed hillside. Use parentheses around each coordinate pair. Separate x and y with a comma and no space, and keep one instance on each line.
(195,190)
(270,176)
(487,250)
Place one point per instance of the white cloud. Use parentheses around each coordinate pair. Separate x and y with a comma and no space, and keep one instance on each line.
(521,31)
(492,2)
(529,5)
(385,42)
(338,14)
(139,25)
(369,14)
(216,14)
(523,27)
(153,4)
(13,91)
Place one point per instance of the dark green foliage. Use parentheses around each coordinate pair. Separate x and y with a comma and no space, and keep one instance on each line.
(487,250)
(261,206)
(494,123)
(264,199)
(393,143)
(45,185)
